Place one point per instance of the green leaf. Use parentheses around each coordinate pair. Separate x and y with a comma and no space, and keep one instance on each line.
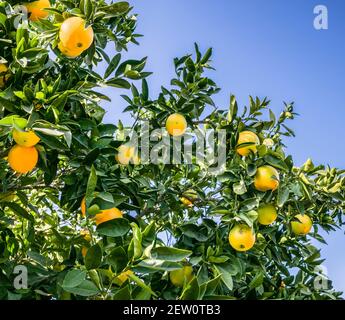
(93,257)
(73,278)
(141,284)
(123,294)
(137,247)
(275,162)
(14,121)
(112,65)
(206,57)
(117,8)
(19,211)
(193,231)
(145,90)
(190,64)
(233,109)
(225,276)
(257,280)
(118,83)
(60,102)
(49,131)
(91,186)
(283,196)
(119,199)
(170,253)
(118,259)
(84,289)
(154,265)
(114,228)
(191,290)
(212,285)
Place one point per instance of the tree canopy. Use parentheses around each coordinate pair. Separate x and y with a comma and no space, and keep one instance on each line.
(170,238)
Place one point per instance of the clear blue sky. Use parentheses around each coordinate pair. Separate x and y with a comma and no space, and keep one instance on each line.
(264,48)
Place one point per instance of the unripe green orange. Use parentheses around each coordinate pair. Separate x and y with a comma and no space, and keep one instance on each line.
(181,276)
(267,214)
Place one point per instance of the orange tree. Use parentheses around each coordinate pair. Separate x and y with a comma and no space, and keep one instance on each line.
(87,219)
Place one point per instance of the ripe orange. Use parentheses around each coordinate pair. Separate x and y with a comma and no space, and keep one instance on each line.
(122,278)
(241,237)
(35,9)
(22,159)
(74,37)
(181,276)
(303,226)
(107,215)
(176,124)
(266,178)
(267,214)
(246,137)
(83,207)
(125,154)
(84,251)
(69,53)
(25,138)
(186,202)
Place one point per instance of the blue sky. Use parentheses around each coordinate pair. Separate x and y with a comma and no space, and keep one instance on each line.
(263,48)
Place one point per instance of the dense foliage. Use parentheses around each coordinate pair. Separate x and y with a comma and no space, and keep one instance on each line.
(40,218)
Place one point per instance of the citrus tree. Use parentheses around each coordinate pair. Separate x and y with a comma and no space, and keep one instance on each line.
(85,215)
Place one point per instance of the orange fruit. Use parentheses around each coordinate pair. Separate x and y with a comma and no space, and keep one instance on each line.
(186,202)
(266,178)
(22,159)
(176,124)
(75,37)
(267,214)
(69,53)
(136,159)
(181,276)
(83,207)
(107,215)
(122,278)
(35,9)
(302,226)
(3,68)
(241,237)
(125,154)
(246,137)
(84,251)
(4,75)
(25,138)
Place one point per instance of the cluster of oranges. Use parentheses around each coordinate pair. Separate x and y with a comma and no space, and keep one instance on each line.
(74,36)
(176,125)
(23,157)
(241,236)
